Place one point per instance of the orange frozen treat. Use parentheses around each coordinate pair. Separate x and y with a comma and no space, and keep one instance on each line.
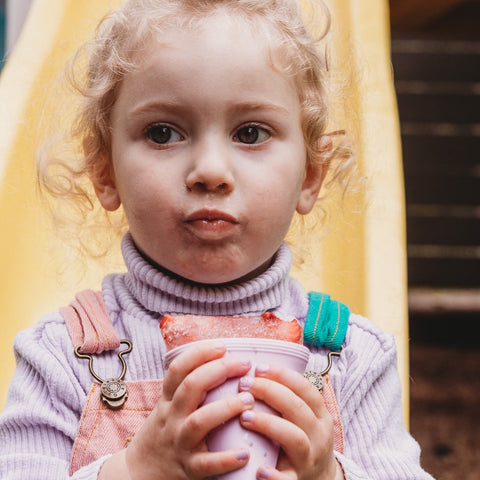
(180,329)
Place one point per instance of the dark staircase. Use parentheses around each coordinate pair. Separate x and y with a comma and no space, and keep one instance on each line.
(437,78)
(438,90)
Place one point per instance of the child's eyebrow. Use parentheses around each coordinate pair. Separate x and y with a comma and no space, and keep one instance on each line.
(245,107)
(156,106)
(233,108)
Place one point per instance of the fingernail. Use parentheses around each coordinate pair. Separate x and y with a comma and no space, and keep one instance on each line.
(246,398)
(262,368)
(247,416)
(265,473)
(246,363)
(241,455)
(245,383)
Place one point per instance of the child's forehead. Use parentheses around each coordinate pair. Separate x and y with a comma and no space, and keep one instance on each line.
(216,65)
(212,32)
(232,23)
(221,46)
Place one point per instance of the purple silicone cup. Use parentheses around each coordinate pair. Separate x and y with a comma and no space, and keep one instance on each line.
(231,435)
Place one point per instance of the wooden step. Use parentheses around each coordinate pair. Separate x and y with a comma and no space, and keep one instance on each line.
(439,300)
(439,108)
(436,61)
(442,190)
(443,230)
(445,155)
(442,270)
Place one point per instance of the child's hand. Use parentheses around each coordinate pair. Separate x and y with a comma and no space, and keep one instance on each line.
(304,428)
(170,445)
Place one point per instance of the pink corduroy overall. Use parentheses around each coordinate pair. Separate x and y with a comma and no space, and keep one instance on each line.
(104,431)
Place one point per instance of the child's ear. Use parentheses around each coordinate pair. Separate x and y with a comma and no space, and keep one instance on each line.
(103,179)
(106,189)
(314,176)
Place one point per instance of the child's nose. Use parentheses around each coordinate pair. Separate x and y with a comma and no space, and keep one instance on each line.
(210,171)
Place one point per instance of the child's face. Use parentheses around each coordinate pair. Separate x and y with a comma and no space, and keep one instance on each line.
(208,155)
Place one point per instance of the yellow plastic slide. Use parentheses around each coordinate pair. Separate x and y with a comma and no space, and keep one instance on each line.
(360,260)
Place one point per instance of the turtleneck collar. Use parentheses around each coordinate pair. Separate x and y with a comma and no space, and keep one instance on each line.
(160,293)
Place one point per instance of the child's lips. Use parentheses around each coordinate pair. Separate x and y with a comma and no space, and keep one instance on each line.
(211,224)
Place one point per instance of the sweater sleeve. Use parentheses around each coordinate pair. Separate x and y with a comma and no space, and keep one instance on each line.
(377,444)
(39,423)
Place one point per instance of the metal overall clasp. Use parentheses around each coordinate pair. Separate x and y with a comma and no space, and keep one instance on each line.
(317,378)
(114,391)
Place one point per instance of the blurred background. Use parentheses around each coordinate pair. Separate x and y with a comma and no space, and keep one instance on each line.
(436,63)
(435,48)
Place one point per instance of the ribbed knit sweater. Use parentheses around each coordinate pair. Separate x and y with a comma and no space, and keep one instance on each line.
(50,385)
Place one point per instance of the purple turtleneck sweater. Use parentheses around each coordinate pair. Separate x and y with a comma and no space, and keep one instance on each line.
(49,388)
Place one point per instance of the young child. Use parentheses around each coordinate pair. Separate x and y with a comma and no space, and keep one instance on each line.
(205,120)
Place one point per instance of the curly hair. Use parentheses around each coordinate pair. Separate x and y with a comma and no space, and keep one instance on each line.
(98,68)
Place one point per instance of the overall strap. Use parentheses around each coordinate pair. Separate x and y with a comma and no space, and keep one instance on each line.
(326,323)
(88,323)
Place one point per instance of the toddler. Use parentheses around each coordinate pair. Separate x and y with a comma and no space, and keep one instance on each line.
(205,121)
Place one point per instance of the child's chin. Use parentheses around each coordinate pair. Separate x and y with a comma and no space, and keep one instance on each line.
(214,278)
(213,281)
(226,277)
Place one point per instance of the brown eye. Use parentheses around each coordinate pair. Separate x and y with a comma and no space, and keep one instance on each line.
(163,134)
(251,135)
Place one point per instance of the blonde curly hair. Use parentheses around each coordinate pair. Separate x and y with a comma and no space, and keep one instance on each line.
(98,68)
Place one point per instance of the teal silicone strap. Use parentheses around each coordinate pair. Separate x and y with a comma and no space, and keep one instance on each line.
(327,321)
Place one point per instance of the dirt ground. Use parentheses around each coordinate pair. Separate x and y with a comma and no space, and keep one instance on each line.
(444,409)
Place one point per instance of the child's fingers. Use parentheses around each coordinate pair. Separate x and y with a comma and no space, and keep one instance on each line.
(273,474)
(287,392)
(211,415)
(188,361)
(283,400)
(293,440)
(206,464)
(303,449)
(193,389)
(295,382)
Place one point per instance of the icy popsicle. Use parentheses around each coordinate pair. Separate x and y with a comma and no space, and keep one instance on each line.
(181,329)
